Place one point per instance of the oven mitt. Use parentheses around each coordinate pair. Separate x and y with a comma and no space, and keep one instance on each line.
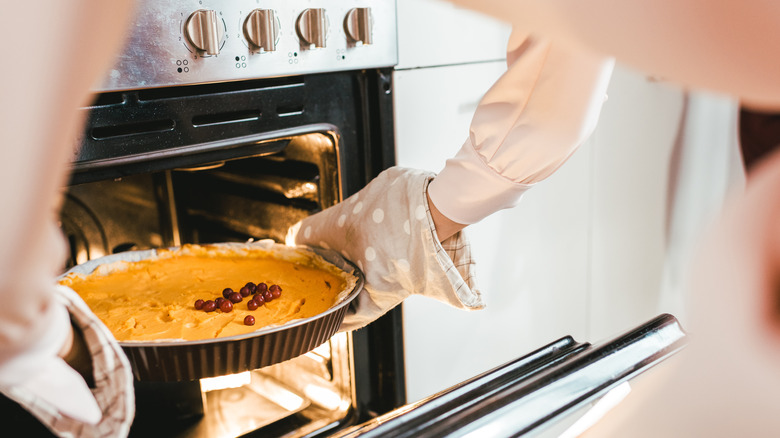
(112,388)
(387,231)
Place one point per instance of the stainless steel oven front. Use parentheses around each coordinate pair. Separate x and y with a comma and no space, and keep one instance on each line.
(228,121)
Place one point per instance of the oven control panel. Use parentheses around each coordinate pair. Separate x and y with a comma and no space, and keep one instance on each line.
(175,42)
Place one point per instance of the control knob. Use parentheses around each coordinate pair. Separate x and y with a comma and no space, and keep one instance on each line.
(358,24)
(312,27)
(261,29)
(203,31)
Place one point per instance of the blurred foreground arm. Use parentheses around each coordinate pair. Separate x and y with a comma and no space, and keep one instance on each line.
(38,122)
(726,48)
(726,382)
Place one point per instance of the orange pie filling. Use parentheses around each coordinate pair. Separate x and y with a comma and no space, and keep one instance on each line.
(154,299)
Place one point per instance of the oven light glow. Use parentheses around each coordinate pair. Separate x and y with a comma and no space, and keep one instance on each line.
(83,256)
(301,191)
(223,382)
(273,390)
(323,350)
(288,400)
(289,240)
(323,397)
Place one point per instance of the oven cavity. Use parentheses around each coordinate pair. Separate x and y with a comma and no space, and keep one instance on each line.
(230,161)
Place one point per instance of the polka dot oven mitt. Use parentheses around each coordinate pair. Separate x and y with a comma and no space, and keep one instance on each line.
(387,231)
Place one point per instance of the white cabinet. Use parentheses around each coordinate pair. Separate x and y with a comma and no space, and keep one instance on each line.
(435,32)
(632,152)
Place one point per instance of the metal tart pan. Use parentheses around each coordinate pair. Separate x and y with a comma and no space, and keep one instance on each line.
(176,361)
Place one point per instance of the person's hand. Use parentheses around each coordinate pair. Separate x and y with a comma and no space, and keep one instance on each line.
(386,229)
(107,407)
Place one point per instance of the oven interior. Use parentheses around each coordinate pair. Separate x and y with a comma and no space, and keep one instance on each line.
(253,197)
(236,161)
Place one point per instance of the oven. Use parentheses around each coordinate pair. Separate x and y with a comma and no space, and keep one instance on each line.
(228,121)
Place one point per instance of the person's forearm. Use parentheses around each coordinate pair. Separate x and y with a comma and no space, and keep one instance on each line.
(524,128)
(445,228)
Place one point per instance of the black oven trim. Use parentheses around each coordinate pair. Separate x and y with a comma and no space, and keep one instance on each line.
(147,123)
(264,143)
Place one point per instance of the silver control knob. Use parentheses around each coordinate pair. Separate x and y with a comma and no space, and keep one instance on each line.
(204,32)
(312,27)
(358,24)
(261,29)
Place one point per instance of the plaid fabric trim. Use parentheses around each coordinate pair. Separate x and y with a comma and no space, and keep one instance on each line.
(112,372)
(454,256)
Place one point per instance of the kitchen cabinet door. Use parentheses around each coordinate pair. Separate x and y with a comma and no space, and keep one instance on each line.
(436,33)
(532,261)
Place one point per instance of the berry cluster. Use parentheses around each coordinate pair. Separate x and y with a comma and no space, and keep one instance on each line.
(261,293)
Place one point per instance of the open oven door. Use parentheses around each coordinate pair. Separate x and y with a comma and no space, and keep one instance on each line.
(543,394)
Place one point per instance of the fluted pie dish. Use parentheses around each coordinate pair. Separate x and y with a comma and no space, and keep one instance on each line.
(200,311)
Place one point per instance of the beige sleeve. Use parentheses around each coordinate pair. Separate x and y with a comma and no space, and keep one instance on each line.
(525,127)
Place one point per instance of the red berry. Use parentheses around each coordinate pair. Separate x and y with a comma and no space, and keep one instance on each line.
(267,296)
(244,291)
(226,306)
(251,286)
(261,288)
(226,292)
(198,304)
(219,301)
(209,306)
(249,320)
(252,305)
(259,298)
(275,287)
(235,297)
